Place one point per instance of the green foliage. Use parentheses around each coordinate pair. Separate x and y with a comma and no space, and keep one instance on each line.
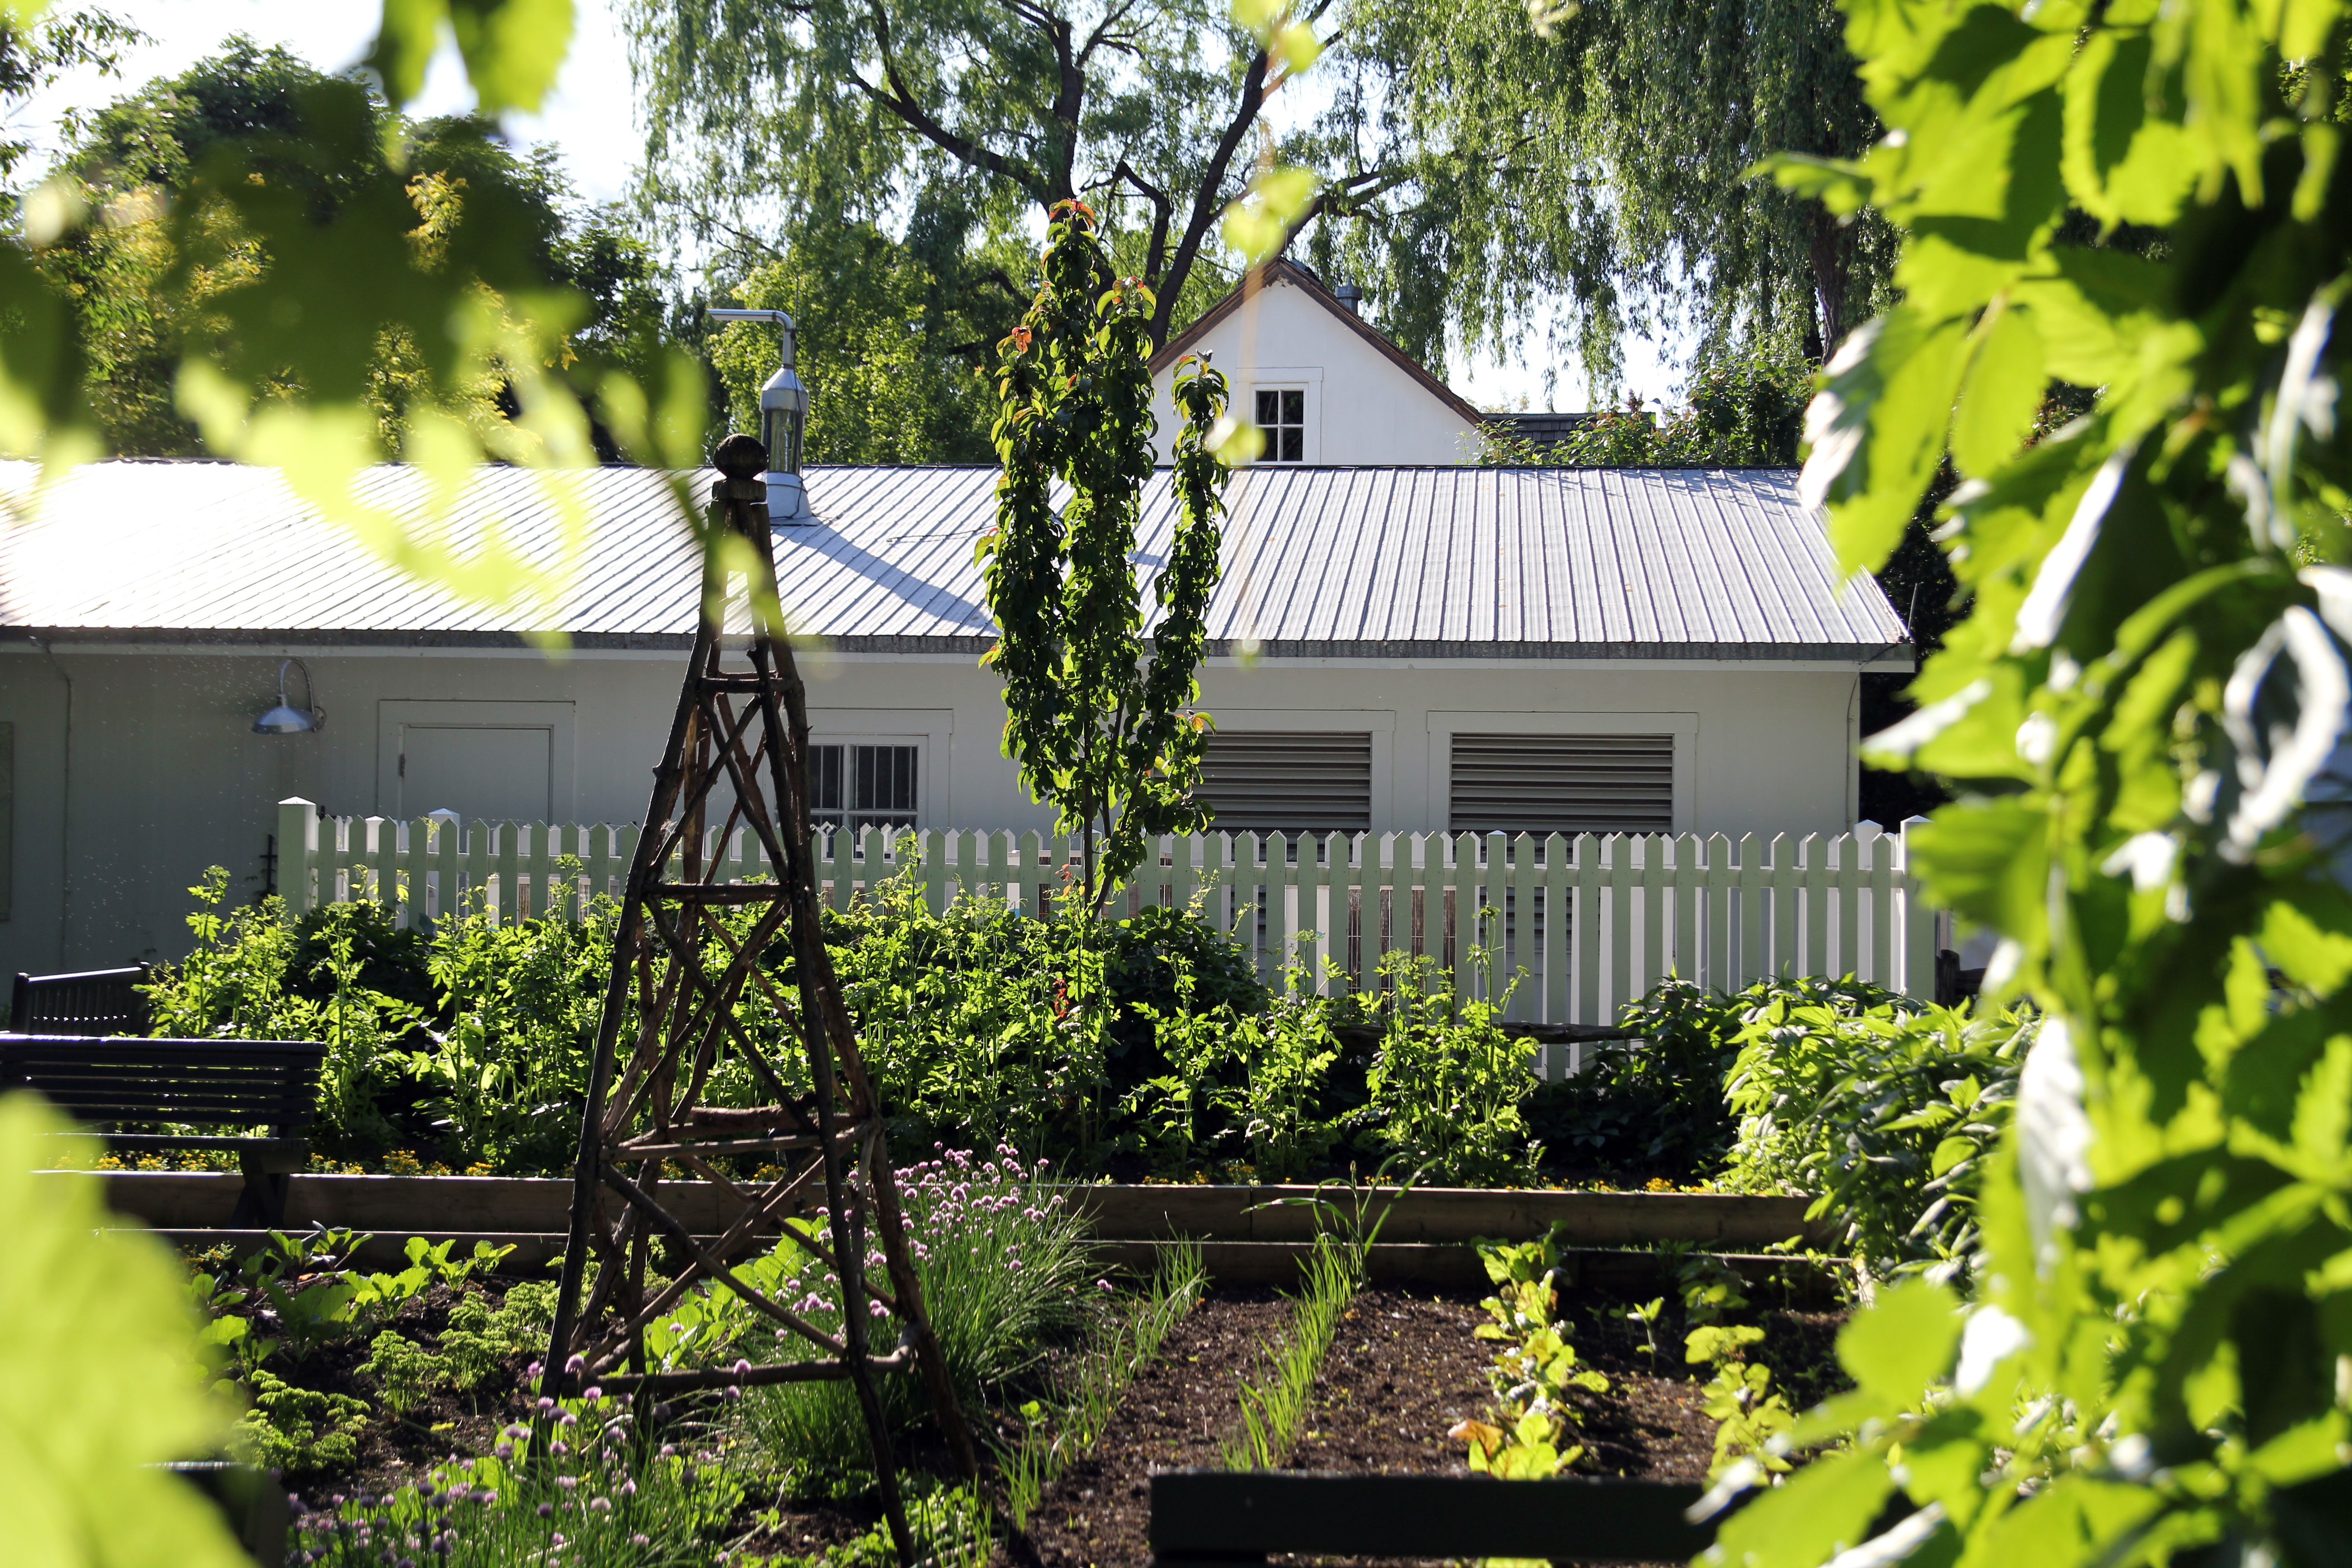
(1536,1377)
(2148,1366)
(1055,1436)
(1885,1110)
(299,1430)
(142,301)
(1657,1105)
(1749,1414)
(1745,413)
(99,1375)
(311,294)
(405,1372)
(481,1338)
(1101,732)
(1008,1274)
(1596,158)
(599,1487)
(1448,1087)
(507,1066)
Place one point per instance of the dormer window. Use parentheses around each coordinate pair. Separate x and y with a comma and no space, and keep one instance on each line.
(1282,415)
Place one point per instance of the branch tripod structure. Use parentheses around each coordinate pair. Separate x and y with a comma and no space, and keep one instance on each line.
(690,947)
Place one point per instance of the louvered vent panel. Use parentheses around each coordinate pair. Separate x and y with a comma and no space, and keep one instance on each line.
(1269,783)
(1563,784)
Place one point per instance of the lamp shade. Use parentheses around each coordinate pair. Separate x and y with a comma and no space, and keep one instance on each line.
(285,720)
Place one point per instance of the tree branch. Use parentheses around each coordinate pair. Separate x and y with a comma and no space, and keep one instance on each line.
(1206,200)
(900,100)
(1163,210)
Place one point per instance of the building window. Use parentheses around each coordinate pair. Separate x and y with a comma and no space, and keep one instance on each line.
(1563,784)
(1282,415)
(1288,781)
(853,787)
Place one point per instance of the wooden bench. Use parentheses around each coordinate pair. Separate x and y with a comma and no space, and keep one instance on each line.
(95,1002)
(126,1081)
(1227,1519)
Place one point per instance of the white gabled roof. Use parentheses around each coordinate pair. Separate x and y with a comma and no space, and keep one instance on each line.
(1428,562)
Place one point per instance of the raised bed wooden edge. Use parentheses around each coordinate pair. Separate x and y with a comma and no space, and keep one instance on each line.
(443,1205)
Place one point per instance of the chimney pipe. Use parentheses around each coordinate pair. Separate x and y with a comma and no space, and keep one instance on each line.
(1348,294)
(783,417)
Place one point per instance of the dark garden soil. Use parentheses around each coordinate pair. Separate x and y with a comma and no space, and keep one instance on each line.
(1170,1419)
(1402,1369)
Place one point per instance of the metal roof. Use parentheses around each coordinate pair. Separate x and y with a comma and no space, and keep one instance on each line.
(1432,561)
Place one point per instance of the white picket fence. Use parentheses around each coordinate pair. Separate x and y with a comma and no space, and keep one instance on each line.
(1593,921)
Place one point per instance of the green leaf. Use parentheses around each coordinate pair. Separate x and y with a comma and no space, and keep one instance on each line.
(101,1378)
(1875,430)
(2006,380)
(1823,1510)
(512,48)
(1903,1343)
(1950,1152)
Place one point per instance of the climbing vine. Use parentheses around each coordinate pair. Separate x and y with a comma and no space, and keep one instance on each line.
(1098,712)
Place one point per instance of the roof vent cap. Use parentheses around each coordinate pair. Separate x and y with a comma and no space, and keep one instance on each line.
(1348,294)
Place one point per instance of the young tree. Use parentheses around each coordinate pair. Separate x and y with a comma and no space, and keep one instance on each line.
(1097,714)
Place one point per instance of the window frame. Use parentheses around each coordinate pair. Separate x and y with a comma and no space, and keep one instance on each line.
(1307,380)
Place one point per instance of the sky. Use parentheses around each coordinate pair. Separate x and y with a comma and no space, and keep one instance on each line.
(591,119)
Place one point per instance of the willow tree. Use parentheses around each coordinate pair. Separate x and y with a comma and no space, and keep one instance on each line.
(839,111)
(1601,154)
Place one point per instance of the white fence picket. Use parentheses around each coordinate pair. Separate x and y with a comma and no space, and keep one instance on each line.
(1581,925)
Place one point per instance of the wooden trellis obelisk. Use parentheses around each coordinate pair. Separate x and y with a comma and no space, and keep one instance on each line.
(736,758)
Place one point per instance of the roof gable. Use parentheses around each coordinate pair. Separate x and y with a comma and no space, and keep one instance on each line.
(1311,288)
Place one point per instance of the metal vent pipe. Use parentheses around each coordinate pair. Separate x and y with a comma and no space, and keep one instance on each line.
(783,419)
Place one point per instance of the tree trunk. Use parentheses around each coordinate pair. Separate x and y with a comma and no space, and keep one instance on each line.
(1825,253)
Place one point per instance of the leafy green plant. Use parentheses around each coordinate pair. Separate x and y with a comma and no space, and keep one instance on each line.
(1885,1113)
(600,1486)
(1656,1105)
(1097,729)
(2150,681)
(481,1339)
(1448,1086)
(299,1430)
(405,1372)
(1274,1404)
(100,1375)
(1749,1414)
(1536,1376)
(1008,1272)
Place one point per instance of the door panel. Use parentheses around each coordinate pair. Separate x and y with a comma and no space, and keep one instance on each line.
(498,772)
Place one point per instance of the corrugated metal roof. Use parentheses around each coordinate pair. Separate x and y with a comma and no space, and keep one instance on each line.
(1459,561)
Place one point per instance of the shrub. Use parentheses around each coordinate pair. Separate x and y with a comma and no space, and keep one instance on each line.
(1883,1109)
(1656,1105)
(1446,1089)
(299,1430)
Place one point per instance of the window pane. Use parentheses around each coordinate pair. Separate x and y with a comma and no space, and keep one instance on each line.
(824,778)
(1294,407)
(1294,448)
(884,784)
(1269,407)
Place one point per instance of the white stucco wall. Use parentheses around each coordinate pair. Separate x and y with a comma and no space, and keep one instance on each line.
(167,777)
(1362,407)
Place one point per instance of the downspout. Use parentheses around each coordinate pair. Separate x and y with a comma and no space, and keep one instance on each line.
(65,806)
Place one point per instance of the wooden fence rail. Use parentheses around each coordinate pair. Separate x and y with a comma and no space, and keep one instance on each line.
(1562,930)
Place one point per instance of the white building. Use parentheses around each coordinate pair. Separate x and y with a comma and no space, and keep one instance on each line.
(1397,648)
(1319,381)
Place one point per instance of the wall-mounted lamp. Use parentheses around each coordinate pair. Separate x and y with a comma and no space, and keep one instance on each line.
(287,719)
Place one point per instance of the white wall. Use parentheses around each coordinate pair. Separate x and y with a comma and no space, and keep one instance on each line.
(1361,406)
(167,777)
